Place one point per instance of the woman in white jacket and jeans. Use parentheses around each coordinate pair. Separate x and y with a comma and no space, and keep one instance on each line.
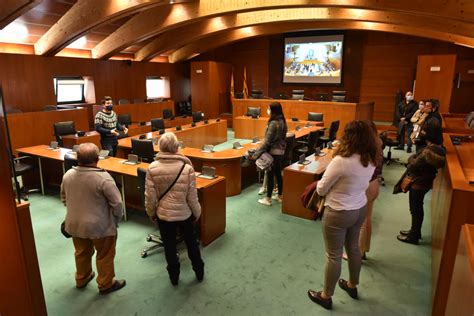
(344,184)
(179,207)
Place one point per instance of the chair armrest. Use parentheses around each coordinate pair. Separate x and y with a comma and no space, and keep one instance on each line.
(19,158)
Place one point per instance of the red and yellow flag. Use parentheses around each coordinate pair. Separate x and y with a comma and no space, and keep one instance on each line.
(232,85)
(245,89)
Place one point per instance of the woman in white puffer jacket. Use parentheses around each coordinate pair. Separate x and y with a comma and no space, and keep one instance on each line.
(179,205)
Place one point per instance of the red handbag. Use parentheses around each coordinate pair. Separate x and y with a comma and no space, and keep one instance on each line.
(308,193)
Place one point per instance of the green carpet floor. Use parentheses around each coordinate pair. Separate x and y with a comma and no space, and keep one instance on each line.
(262,265)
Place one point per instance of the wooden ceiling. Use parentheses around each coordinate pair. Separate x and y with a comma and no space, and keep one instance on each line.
(145,30)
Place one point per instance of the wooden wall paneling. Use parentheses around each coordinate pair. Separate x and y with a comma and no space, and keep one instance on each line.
(28,80)
(36,128)
(435,84)
(462,284)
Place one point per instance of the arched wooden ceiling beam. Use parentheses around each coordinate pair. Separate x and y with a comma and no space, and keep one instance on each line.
(224,38)
(179,37)
(12,9)
(153,22)
(86,15)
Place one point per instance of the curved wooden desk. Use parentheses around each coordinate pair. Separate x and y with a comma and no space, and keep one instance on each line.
(202,134)
(248,127)
(451,207)
(226,162)
(211,192)
(342,111)
(455,123)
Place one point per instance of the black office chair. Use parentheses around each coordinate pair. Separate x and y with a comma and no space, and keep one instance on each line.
(143,148)
(167,114)
(124,119)
(315,117)
(21,166)
(197,116)
(297,95)
(290,145)
(123,101)
(332,133)
(338,96)
(253,111)
(70,160)
(158,242)
(256,94)
(157,124)
(307,146)
(63,128)
(135,101)
(48,108)
(390,139)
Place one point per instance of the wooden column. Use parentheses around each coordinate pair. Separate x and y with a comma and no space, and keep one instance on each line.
(434,79)
(21,292)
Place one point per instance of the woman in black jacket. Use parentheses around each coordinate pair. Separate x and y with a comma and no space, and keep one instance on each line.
(422,167)
(275,144)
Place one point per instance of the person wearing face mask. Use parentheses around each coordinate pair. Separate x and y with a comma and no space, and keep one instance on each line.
(431,127)
(275,144)
(404,113)
(417,120)
(107,125)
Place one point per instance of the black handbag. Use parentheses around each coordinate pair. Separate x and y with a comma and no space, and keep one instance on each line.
(63,230)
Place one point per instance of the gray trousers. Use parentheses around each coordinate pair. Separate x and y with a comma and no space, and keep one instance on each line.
(342,228)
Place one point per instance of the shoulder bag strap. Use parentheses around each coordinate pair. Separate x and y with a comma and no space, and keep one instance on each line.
(172,184)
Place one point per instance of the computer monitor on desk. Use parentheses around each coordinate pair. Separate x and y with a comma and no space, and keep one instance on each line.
(143,148)
(253,111)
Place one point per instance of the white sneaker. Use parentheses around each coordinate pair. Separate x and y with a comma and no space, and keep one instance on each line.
(265,201)
(278,198)
(275,190)
(262,191)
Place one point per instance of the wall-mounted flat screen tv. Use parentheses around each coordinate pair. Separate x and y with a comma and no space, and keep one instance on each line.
(313,59)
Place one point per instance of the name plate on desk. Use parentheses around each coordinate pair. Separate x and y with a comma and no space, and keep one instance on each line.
(237,145)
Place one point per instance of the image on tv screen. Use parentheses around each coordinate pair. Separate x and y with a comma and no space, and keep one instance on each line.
(315,59)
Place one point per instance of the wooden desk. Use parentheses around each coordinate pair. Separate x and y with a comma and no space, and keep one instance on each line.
(90,137)
(333,111)
(460,300)
(455,123)
(248,127)
(198,136)
(296,178)
(226,162)
(211,192)
(451,207)
(137,129)
(35,128)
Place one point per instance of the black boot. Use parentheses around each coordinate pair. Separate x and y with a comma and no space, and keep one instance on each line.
(173,272)
(408,232)
(410,239)
(199,270)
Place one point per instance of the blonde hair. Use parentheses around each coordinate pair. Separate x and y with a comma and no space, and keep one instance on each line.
(168,142)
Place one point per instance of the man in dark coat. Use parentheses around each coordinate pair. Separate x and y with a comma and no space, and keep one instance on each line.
(404,112)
